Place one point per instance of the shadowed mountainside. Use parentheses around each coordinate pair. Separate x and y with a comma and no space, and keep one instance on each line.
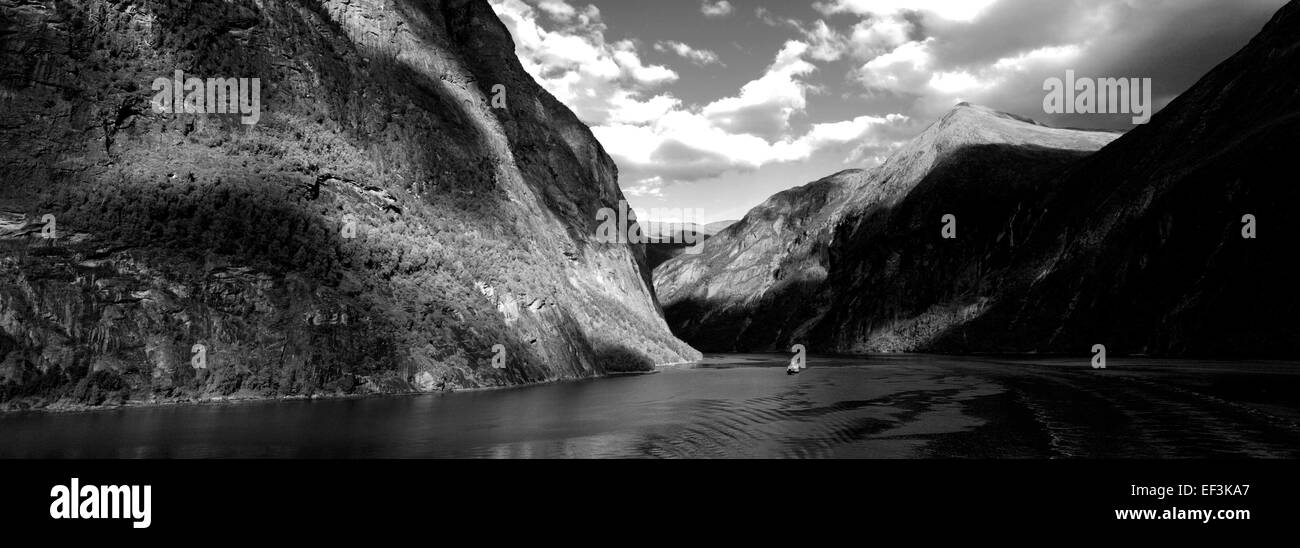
(1141,247)
(473,224)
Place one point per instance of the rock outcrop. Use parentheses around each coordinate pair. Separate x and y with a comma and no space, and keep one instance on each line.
(410,209)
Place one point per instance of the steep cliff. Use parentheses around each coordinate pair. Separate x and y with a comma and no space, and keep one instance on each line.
(391,218)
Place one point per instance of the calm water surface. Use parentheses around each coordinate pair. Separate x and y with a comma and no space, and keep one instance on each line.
(738,406)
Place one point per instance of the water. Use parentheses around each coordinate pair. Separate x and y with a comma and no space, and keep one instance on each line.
(741,406)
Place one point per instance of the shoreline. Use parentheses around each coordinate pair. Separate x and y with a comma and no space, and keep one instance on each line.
(71,408)
(1006,359)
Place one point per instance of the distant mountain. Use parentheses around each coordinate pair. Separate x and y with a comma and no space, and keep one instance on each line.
(714,228)
(667,231)
(667,239)
(1138,247)
(470,262)
(759,284)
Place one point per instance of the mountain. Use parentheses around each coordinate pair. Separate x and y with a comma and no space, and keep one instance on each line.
(714,228)
(760,284)
(410,209)
(667,240)
(1139,247)
(669,230)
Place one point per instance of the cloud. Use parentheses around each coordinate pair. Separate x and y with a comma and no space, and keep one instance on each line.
(700,57)
(928,54)
(629,62)
(767,17)
(685,146)
(720,8)
(866,39)
(645,188)
(877,35)
(859,133)
(558,10)
(955,10)
(764,106)
(600,81)
(825,44)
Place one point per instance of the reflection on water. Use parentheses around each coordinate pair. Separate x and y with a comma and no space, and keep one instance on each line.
(741,406)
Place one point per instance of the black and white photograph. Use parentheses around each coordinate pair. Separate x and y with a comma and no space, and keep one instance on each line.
(922,235)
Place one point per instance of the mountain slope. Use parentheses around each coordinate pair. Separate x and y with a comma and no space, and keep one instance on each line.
(473,224)
(1141,248)
(760,284)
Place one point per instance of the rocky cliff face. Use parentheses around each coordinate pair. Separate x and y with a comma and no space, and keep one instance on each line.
(384,227)
(1140,247)
(762,284)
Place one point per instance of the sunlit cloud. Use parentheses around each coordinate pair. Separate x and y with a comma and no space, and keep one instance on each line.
(720,8)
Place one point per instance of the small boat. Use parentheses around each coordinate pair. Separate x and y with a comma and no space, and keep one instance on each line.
(792,370)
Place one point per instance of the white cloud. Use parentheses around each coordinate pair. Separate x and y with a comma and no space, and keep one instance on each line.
(700,57)
(905,69)
(684,146)
(867,38)
(824,42)
(720,8)
(1049,56)
(954,10)
(558,10)
(876,35)
(764,106)
(646,188)
(629,62)
(627,107)
(913,69)
(599,81)
(858,131)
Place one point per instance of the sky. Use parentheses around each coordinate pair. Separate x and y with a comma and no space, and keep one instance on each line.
(715,105)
